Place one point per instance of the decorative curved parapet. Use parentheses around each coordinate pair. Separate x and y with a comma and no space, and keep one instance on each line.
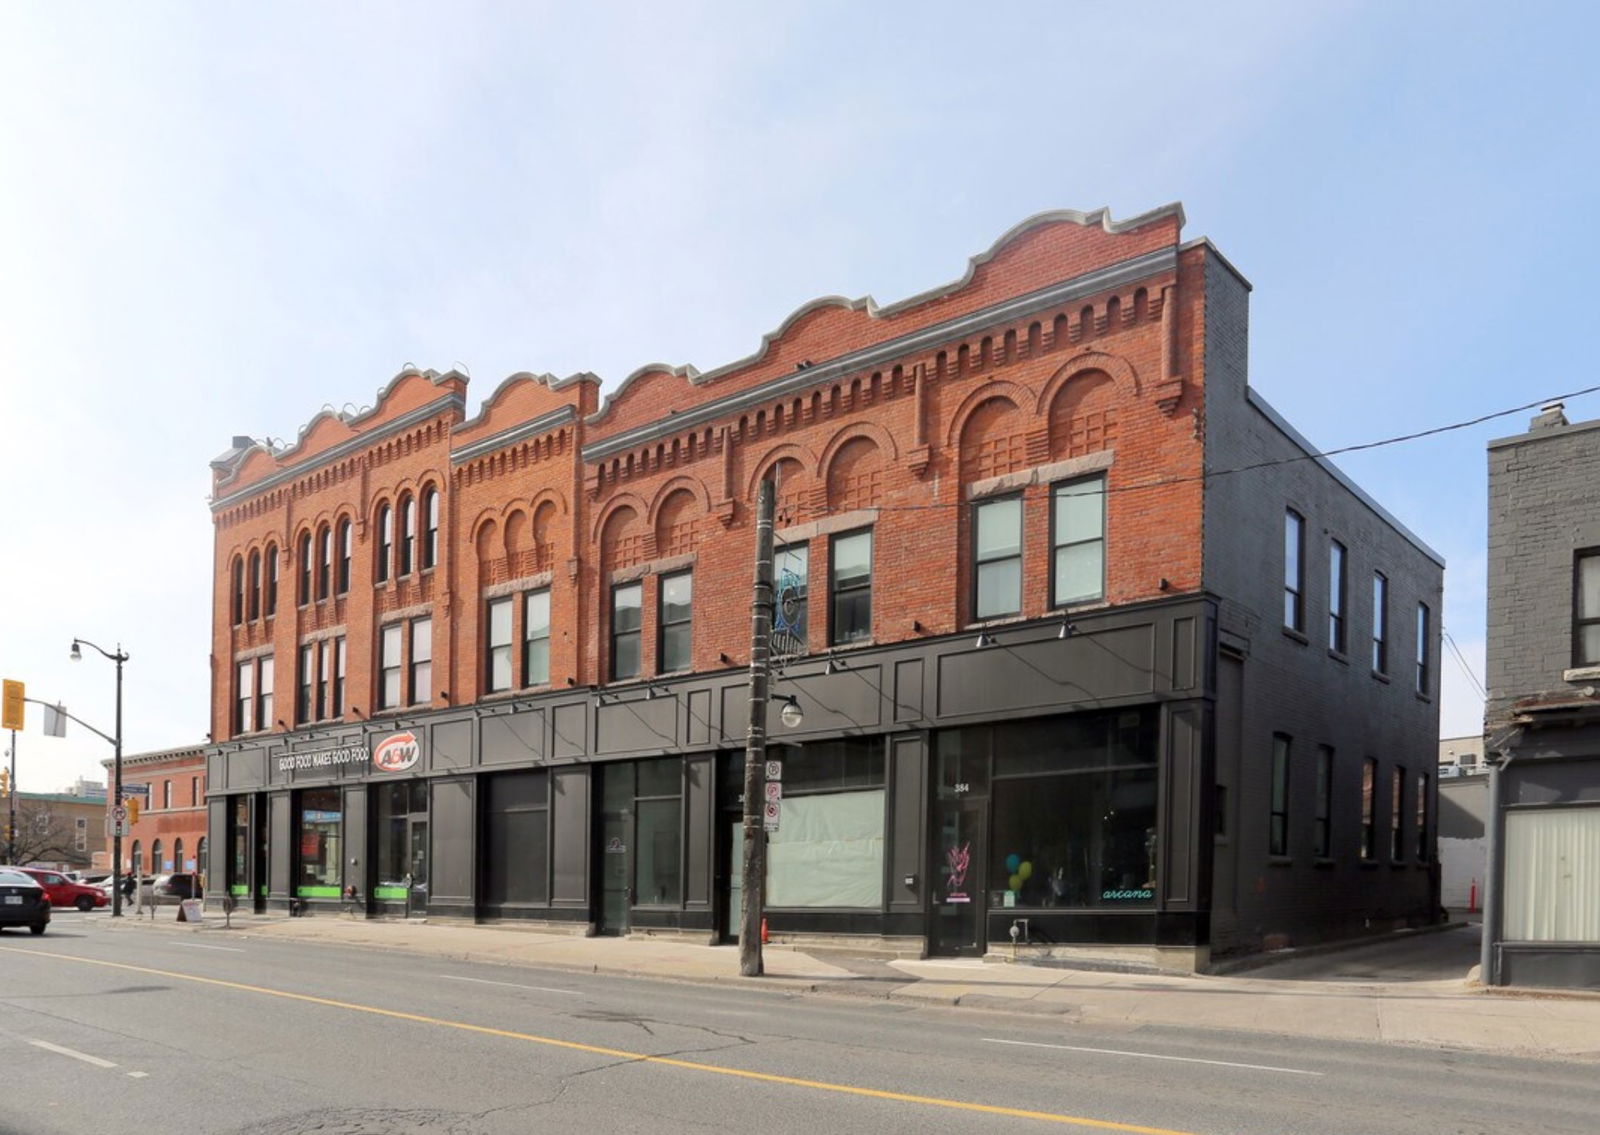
(333,434)
(951,314)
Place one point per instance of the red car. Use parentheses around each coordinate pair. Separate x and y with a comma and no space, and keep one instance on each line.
(64,892)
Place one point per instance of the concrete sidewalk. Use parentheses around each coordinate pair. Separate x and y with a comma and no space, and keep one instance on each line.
(1446,1012)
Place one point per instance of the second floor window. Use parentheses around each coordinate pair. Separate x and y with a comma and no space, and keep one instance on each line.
(1294,570)
(1336,593)
(271,602)
(536,638)
(420,683)
(244,693)
(625,627)
(305,680)
(677,625)
(997,558)
(851,587)
(389,642)
(497,646)
(1397,813)
(1078,541)
(1380,623)
(1586,614)
(324,562)
(238,592)
(255,585)
(264,718)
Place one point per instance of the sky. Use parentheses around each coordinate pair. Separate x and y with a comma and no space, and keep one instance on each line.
(219,219)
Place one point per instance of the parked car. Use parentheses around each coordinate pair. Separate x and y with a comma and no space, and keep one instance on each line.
(63,891)
(175,888)
(23,901)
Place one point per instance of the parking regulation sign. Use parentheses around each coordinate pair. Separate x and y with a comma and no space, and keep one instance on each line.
(769,815)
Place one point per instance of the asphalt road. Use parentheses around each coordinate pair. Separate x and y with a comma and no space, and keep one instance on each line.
(105,1030)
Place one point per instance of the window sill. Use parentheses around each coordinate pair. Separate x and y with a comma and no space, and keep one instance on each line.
(1323,863)
(1280,861)
(1296,636)
(1421,697)
(1339,656)
(1380,676)
(1370,864)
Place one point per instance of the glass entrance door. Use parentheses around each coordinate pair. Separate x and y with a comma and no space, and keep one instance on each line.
(959,908)
(615,870)
(417,841)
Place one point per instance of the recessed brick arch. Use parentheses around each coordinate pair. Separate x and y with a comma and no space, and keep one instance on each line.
(1018,395)
(872,431)
(1119,369)
(1084,416)
(805,458)
(695,487)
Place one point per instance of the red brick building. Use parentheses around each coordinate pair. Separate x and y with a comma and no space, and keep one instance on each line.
(170,833)
(491,664)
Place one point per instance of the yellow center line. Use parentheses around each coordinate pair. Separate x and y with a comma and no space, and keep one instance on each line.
(618,1053)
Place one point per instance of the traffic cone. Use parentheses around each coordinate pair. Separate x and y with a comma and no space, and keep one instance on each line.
(764,938)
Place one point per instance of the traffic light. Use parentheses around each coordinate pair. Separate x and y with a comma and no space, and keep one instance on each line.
(5,783)
(132,804)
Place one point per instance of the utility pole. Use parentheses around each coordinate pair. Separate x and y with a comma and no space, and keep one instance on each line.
(11,800)
(755,752)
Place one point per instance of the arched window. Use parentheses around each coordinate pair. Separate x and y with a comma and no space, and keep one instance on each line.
(156,867)
(201,864)
(324,560)
(136,864)
(305,569)
(346,550)
(430,527)
(238,591)
(177,855)
(408,534)
(255,585)
(385,542)
(270,602)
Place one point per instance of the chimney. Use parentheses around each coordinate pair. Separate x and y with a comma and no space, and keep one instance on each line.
(1549,417)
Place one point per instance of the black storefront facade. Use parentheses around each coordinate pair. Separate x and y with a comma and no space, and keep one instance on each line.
(1049,776)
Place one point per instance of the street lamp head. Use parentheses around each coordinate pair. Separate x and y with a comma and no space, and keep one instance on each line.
(77,655)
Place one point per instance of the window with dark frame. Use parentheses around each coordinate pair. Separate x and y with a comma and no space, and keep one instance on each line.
(336,704)
(419,684)
(536,638)
(408,534)
(1397,814)
(626,621)
(238,591)
(389,643)
(324,677)
(997,557)
(850,587)
(1369,809)
(244,694)
(255,586)
(1294,570)
(497,646)
(324,561)
(1423,661)
(346,554)
(676,616)
(430,528)
(264,685)
(1586,609)
(1278,824)
(272,581)
(1078,541)
(1336,596)
(305,676)
(304,596)
(385,528)
(1380,623)
(1322,821)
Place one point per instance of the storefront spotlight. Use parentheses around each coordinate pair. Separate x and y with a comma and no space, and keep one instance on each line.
(984,639)
(791,714)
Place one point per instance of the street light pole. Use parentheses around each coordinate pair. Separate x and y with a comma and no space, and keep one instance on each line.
(119,656)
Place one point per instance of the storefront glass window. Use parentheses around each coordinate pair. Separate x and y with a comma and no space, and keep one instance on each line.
(402,806)
(239,874)
(516,838)
(658,833)
(319,843)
